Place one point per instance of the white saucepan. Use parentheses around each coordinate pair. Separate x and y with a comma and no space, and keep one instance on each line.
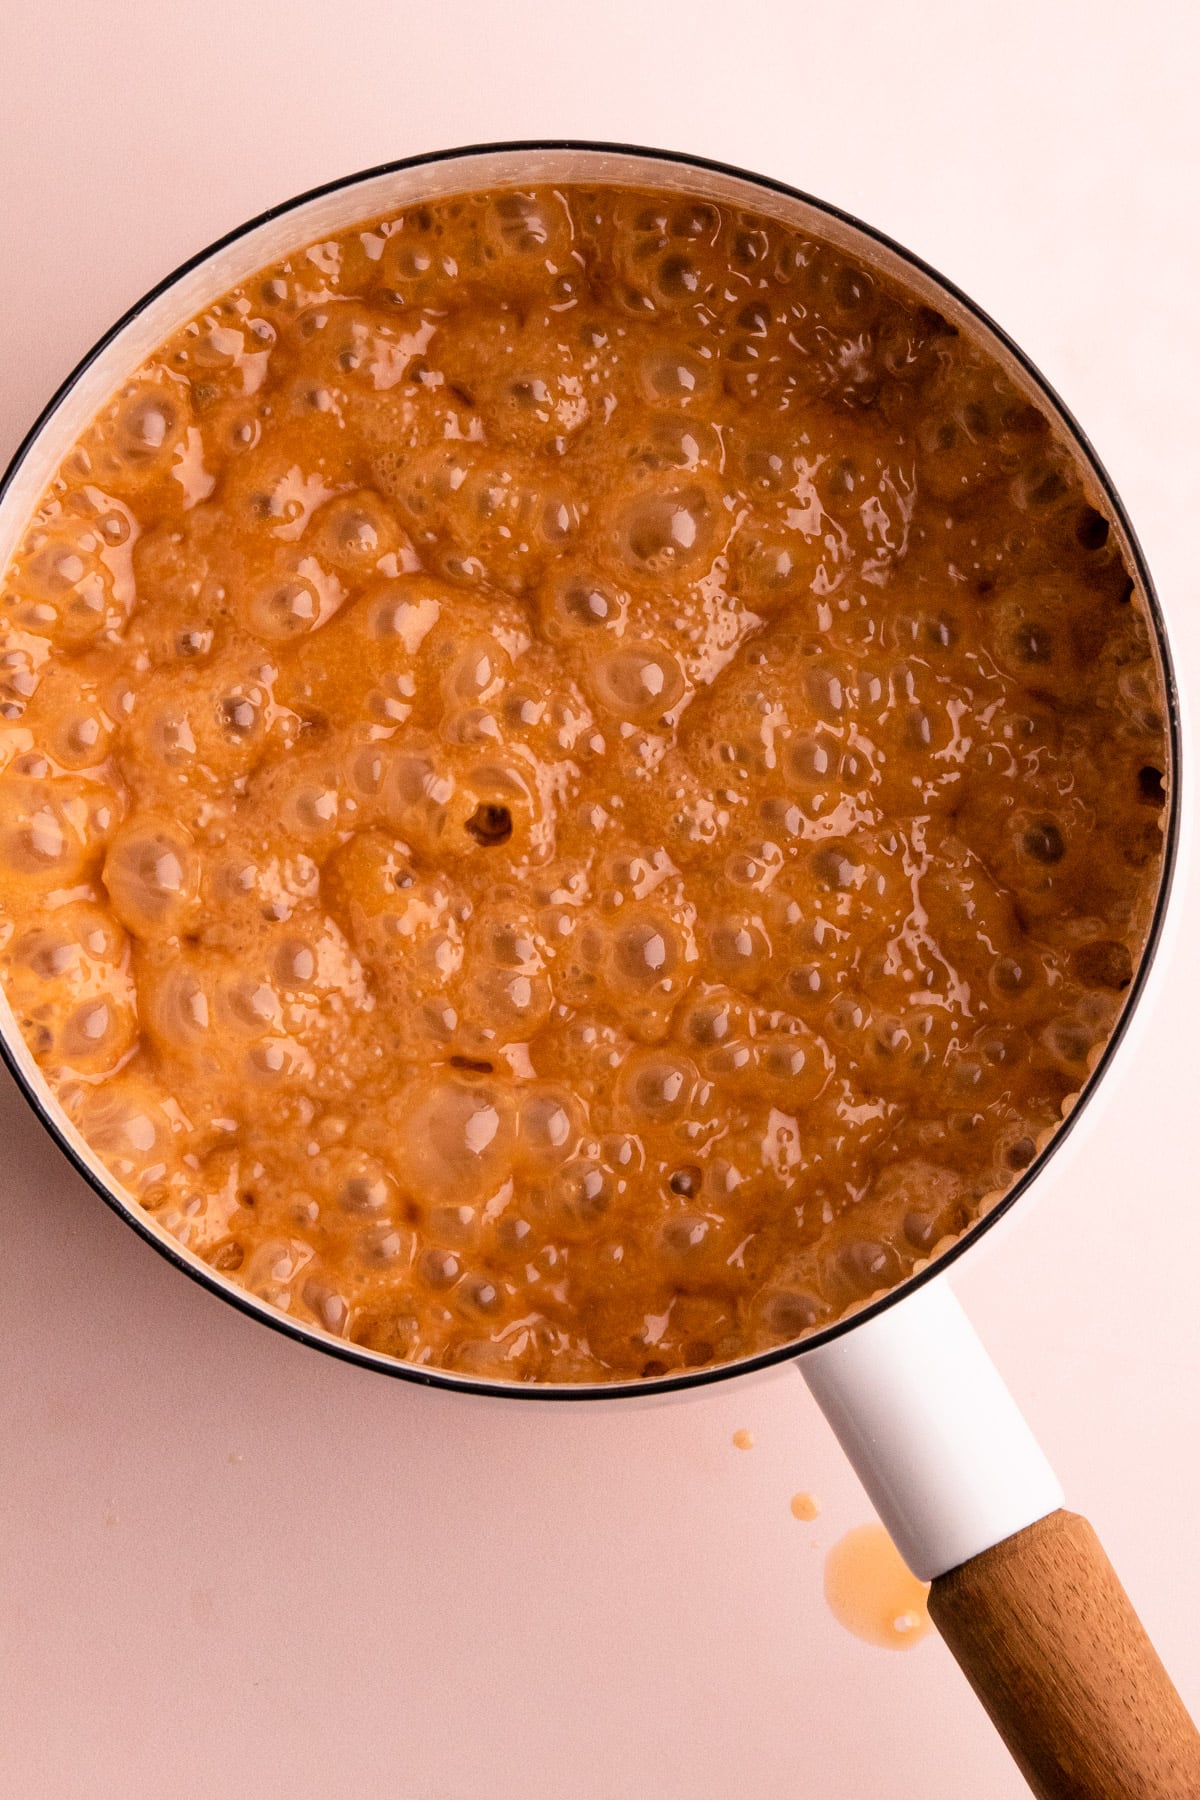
(1021,1589)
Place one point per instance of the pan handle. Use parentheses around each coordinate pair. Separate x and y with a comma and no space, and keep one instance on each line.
(1022,1592)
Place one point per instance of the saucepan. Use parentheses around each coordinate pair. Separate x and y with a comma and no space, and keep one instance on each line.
(1021,1589)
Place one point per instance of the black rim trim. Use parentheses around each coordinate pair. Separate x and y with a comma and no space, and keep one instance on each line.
(445,1378)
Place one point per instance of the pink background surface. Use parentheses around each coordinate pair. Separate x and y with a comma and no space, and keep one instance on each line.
(232,1567)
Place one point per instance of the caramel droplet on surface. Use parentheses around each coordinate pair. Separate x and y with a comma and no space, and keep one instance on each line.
(872,1592)
(743,1439)
(805,1506)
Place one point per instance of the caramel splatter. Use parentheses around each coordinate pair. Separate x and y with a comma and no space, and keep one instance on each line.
(873,1593)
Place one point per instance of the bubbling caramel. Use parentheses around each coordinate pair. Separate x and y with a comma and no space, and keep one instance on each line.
(582,782)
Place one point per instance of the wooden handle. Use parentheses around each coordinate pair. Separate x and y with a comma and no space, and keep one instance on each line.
(1045,1634)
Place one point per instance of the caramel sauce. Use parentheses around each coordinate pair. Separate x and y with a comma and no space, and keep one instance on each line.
(580,784)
